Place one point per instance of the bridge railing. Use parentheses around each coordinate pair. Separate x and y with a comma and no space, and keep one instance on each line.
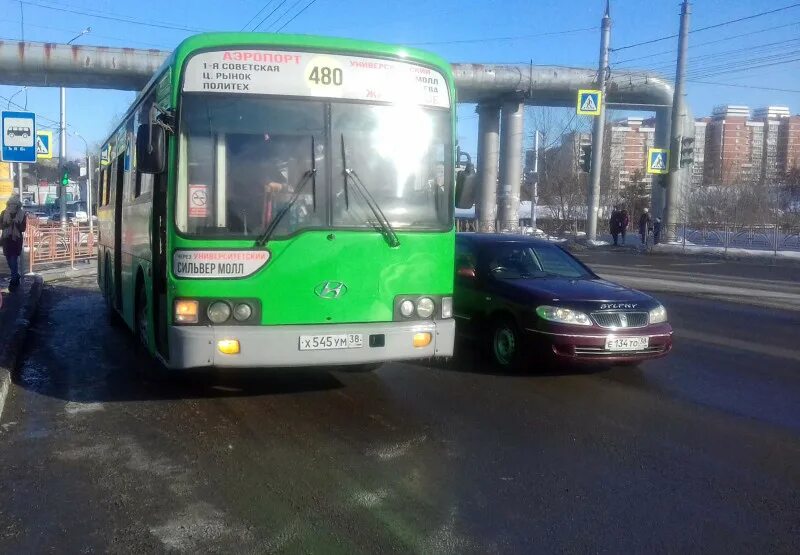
(51,244)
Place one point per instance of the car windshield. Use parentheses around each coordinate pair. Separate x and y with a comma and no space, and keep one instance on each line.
(525,261)
(242,159)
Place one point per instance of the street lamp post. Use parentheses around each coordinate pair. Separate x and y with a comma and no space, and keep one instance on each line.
(62,155)
(88,182)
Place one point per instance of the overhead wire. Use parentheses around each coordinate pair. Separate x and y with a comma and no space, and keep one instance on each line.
(258,13)
(513,37)
(706,28)
(289,9)
(701,44)
(121,19)
(266,17)
(295,16)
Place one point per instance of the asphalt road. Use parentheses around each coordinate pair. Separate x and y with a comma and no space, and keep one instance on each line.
(696,452)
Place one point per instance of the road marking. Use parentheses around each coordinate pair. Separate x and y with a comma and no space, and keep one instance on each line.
(696,264)
(75,407)
(740,344)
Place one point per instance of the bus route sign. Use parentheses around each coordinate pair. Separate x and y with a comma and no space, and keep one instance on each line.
(18,137)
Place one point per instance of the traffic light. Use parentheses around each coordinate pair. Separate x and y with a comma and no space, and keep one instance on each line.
(64,178)
(585,161)
(687,151)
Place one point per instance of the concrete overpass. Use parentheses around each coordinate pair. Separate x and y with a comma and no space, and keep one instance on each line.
(500,90)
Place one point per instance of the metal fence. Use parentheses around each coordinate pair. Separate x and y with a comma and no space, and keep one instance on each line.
(51,244)
(775,238)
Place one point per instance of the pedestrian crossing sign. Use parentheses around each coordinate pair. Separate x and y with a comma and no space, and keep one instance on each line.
(44,145)
(589,102)
(658,160)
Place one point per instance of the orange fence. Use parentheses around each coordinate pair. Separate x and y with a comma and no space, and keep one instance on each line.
(51,244)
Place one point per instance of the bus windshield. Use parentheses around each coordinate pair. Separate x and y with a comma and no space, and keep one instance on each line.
(241,158)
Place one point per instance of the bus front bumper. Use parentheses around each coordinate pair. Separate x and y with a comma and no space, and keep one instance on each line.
(279,346)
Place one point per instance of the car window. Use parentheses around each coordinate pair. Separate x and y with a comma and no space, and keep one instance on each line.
(465,256)
(525,261)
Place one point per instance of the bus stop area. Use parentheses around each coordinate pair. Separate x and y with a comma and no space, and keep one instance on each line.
(17,310)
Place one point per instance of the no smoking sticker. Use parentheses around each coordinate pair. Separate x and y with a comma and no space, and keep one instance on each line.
(198,201)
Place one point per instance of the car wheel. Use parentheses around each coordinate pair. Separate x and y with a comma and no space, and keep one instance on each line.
(506,344)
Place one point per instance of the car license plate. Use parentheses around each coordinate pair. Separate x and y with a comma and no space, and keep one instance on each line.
(627,343)
(337,341)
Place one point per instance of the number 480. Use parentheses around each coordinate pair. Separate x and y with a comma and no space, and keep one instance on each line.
(326,76)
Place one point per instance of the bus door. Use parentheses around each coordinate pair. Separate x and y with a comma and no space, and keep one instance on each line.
(159,249)
(119,179)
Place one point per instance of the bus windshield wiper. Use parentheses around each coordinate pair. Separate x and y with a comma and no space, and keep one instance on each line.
(308,175)
(387,230)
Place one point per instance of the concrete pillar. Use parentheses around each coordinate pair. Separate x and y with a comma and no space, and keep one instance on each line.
(510,166)
(488,156)
(662,140)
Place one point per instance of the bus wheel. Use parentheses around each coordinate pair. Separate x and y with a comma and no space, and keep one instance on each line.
(108,294)
(142,324)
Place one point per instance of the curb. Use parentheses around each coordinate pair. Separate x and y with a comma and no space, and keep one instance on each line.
(11,352)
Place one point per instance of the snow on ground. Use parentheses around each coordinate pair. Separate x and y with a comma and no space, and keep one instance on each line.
(734,252)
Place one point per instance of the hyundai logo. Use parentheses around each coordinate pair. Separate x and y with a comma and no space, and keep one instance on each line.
(330,289)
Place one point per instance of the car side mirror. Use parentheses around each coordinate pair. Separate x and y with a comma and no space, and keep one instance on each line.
(466,272)
(150,148)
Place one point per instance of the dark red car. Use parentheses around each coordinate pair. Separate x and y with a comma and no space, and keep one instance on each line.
(531,302)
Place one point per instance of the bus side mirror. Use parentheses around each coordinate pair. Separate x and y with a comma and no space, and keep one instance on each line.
(150,148)
(465,187)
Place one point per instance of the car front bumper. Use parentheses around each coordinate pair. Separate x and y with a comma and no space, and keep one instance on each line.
(589,345)
(279,346)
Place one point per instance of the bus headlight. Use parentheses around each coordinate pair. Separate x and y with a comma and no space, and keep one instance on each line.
(407,308)
(186,311)
(425,307)
(242,312)
(218,312)
(447,307)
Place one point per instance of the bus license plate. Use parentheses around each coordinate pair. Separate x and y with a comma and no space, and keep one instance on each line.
(338,341)
(627,343)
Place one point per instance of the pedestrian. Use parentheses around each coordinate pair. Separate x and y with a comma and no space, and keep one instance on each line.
(12,226)
(613,224)
(656,231)
(624,221)
(644,225)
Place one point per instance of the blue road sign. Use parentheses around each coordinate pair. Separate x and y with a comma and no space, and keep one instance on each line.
(18,137)
(658,160)
(589,102)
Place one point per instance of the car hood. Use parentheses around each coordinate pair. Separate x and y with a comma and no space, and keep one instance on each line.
(577,290)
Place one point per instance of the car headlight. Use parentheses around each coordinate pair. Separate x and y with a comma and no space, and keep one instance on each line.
(407,308)
(242,312)
(658,315)
(563,315)
(218,312)
(425,307)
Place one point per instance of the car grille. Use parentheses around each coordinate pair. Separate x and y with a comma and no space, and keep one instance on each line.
(620,319)
(600,351)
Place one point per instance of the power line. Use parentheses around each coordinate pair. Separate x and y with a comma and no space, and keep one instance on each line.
(728,56)
(258,13)
(698,45)
(275,9)
(107,37)
(517,37)
(130,21)
(290,8)
(738,85)
(715,26)
(311,3)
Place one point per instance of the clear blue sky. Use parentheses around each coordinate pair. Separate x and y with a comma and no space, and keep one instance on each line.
(461,30)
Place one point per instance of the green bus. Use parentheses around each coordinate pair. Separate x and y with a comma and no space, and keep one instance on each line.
(283,200)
